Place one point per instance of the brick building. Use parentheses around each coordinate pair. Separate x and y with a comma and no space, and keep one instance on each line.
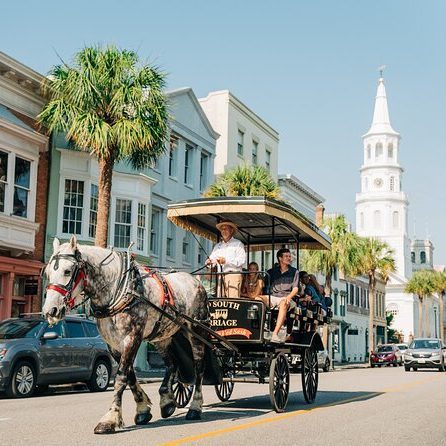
(23,189)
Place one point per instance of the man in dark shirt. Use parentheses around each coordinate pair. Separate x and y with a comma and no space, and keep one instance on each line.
(284,281)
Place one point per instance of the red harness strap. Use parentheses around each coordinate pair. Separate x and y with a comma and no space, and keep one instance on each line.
(164,285)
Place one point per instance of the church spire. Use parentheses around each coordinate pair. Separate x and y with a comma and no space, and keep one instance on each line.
(381,120)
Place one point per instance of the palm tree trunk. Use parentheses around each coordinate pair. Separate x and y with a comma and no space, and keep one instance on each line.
(372,283)
(104,199)
(420,316)
(441,307)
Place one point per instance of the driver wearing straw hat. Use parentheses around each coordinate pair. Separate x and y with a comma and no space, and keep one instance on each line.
(230,255)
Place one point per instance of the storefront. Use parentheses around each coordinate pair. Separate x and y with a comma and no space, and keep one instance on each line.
(19,287)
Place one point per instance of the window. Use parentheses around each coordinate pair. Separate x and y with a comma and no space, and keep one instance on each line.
(369,152)
(396,219)
(377,219)
(201,257)
(412,256)
(390,150)
(240,137)
(351,295)
(393,310)
(3,179)
(335,301)
(19,286)
(342,303)
(141,229)
(361,220)
(255,148)
(75,329)
(58,329)
(155,232)
(188,164)
(73,207)
(187,248)
(203,171)
(173,144)
(392,183)
(22,175)
(123,221)
(422,257)
(170,246)
(268,160)
(91,329)
(357,296)
(93,211)
(378,150)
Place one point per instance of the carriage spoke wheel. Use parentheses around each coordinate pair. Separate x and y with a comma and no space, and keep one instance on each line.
(224,390)
(279,382)
(309,374)
(182,393)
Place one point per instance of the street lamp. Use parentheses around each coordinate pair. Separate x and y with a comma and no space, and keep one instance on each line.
(435,321)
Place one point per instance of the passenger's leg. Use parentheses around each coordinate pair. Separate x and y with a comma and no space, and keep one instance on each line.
(283,308)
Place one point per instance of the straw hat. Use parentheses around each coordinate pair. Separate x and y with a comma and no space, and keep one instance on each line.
(226,223)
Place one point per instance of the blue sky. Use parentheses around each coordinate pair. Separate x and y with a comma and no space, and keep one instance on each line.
(309,68)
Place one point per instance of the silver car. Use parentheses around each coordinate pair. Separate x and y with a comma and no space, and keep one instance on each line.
(425,353)
(323,359)
(34,355)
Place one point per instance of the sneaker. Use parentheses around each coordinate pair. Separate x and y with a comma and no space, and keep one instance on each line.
(276,339)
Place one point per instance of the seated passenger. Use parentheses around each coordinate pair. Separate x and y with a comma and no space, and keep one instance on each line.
(230,256)
(252,284)
(284,281)
(310,294)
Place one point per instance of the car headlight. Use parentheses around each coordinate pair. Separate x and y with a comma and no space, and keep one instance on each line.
(435,354)
(407,354)
(3,353)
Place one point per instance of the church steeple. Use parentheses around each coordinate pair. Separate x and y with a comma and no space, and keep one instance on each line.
(381,120)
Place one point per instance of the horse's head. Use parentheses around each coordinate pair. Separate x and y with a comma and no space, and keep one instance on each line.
(66,276)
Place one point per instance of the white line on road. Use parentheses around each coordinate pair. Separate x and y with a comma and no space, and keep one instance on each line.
(4,419)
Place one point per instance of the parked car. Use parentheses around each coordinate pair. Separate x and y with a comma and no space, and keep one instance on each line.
(425,353)
(323,359)
(34,355)
(387,354)
(403,348)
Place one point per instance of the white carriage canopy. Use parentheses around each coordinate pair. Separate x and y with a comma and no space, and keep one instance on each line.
(260,221)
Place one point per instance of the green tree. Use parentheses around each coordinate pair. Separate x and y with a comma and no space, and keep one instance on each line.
(376,261)
(111,106)
(422,284)
(245,181)
(343,254)
(439,282)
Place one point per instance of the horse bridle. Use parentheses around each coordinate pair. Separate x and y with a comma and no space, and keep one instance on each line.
(77,277)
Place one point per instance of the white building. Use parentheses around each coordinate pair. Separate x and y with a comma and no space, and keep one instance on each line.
(245,138)
(381,210)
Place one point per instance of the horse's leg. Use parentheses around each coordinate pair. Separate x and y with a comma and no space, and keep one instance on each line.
(113,418)
(198,350)
(167,399)
(143,403)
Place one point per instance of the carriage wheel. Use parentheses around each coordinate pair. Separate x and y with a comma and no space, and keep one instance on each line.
(309,374)
(224,390)
(182,392)
(279,382)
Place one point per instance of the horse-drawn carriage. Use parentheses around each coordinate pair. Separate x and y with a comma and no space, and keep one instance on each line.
(203,339)
(247,353)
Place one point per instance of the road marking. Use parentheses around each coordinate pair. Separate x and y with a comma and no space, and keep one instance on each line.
(4,419)
(296,413)
(264,421)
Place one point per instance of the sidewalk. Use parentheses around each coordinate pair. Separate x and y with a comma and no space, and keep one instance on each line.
(349,365)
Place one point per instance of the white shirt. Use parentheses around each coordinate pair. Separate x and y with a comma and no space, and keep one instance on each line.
(234,253)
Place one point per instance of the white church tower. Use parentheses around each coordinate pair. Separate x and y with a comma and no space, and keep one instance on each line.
(382,205)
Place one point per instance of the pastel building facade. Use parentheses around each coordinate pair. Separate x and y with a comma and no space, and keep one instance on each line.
(23,188)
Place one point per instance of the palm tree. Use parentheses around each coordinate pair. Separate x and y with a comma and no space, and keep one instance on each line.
(376,261)
(342,255)
(112,107)
(245,181)
(439,280)
(422,284)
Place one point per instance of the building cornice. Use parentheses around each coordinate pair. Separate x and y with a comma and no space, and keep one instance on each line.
(365,167)
(30,135)
(300,186)
(362,197)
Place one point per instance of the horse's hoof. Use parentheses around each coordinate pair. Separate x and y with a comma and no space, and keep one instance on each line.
(104,428)
(168,410)
(143,418)
(193,415)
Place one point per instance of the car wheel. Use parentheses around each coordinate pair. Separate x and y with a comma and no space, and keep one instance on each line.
(415,369)
(372,365)
(100,377)
(23,380)
(406,368)
(395,364)
(441,368)
(326,366)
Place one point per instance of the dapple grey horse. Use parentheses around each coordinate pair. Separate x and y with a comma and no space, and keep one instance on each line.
(123,296)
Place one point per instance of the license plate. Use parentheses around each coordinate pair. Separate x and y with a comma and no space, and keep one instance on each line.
(421,361)
(380,360)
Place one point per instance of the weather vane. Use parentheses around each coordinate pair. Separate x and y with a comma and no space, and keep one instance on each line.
(381,69)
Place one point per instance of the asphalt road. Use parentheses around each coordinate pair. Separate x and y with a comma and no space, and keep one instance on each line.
(353,407)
